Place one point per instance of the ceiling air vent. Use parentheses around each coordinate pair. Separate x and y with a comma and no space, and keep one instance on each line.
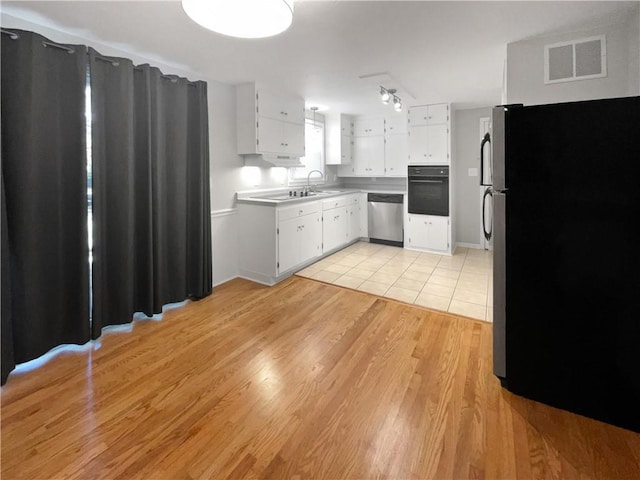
(575,60)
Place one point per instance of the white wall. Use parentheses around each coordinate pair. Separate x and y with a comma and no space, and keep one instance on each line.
(525,67)
(467,188)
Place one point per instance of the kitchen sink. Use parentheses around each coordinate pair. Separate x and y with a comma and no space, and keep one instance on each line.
(285,196)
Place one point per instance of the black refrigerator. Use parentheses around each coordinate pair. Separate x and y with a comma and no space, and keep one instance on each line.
(565,183)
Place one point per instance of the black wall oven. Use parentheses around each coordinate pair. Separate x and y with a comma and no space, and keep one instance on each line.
(428,190)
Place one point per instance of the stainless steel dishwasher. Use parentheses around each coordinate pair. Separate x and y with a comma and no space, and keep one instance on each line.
(385,218)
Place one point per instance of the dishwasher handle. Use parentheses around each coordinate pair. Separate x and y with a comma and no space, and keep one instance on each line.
(385,197)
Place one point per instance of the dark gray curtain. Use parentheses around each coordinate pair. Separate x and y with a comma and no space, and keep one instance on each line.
(152,235)
(45,269)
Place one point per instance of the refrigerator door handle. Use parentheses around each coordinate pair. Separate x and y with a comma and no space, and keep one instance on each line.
(485,140)
(487,193)
(499,287)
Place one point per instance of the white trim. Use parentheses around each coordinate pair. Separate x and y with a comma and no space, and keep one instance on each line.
(475,246)
(603,59)
(220,282)
(224,212)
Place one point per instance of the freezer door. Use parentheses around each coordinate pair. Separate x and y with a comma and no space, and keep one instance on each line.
(499,286)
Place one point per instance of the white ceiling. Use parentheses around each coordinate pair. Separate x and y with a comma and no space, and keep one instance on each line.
(448,51)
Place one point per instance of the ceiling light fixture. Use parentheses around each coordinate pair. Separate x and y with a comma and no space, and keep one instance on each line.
(387,94)
(397,104)
(241,18)
(315,125)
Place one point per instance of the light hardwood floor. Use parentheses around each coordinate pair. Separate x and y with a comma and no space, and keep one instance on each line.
(301,380)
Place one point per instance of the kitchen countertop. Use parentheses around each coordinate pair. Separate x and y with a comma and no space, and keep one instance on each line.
(281,196)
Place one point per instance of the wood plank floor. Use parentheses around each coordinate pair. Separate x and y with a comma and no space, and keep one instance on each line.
(301,380)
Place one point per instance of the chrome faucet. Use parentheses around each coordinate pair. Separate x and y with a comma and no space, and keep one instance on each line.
(308,187)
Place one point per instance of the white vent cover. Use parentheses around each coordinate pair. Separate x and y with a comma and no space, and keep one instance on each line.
(575,60)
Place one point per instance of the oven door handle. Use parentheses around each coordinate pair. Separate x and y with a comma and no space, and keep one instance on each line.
(426,181)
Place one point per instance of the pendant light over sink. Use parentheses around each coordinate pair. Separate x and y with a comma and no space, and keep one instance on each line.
(241,18)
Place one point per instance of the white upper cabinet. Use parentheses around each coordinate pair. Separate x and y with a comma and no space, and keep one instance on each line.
(339,139)
(268,123)
(396,124)
(429,134)
(368,127)
(428,114)
(368,156)
(279,107)
(396,154)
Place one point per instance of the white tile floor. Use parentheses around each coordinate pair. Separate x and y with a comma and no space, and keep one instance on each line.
(460,284)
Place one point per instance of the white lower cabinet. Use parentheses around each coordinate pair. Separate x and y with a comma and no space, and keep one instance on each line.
(275,241)
(427,232)
(354,222)
(299,235)
(335,223)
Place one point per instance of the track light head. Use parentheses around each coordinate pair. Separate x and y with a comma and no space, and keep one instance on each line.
(385,96)
(397,104)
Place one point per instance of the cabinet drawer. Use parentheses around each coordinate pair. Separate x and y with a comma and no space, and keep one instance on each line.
(335,202)
(353,199)
(299,210)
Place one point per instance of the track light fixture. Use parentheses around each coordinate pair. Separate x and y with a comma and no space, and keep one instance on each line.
(387,94)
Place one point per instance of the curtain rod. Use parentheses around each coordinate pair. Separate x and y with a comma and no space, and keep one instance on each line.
(11,34)
(15,36)
(69,50)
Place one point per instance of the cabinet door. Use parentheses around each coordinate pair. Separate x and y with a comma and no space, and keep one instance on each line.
(428,232)
(346,150)
(270,135)
(346,125)
(288,244)
(396,124)
(310,237)
(347,170)
(293,109)
(362,148)
(438,233)
(368,126)
(368,155)
(281,108)
(354,222)
(334,228)
(293,138)
(376,156)
(396,153)
(417,144)
(417,115)
(438,113)
(437,144)
(417,234)
(364,215)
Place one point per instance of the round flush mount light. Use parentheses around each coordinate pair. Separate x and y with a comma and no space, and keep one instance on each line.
(241,18)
